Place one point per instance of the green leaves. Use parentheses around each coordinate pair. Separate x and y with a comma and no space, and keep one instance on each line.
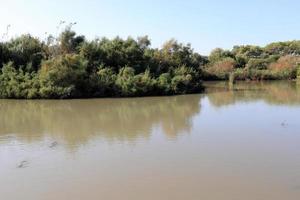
(24,50)
(15,83)
(61,77)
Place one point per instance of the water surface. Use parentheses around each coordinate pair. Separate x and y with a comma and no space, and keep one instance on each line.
(231,143)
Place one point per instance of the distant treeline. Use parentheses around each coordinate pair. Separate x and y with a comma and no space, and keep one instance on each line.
(276,61)
(69,66)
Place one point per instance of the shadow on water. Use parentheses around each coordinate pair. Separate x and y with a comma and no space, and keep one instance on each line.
(77,121)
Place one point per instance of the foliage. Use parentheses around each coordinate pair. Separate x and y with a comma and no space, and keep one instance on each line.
(254,75)
(69,66)
(186,80)
(15,83)
(164,83)
(63,76)
(145,84)
(69,42)
(102,83)
(258,63)
(126,82)
(26,51)
(4,54)
(285,63)
(219,54)
(283,48)
(129,84)
(222,68)
(274,61)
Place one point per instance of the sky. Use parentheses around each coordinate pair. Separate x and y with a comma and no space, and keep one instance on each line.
(206,24)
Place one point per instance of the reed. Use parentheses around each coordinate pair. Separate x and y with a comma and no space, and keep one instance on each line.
(231,79)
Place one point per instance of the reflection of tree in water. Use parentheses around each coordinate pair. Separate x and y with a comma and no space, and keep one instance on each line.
(273,92)
(113,119)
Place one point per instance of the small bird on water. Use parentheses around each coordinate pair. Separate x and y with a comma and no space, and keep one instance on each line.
(53,144)
(284,123)
(22,164)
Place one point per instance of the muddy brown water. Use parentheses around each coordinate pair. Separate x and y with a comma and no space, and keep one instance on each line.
(231,143)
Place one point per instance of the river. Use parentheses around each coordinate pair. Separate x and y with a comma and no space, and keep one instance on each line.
(231,143)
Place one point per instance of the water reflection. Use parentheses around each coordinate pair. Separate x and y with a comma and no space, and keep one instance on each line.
(273,93)
(121,148)
(77,121)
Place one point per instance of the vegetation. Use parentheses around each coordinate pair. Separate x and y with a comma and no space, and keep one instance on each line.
(70,66)
(276,61)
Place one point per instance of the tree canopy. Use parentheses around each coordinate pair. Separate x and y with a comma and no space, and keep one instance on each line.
(70,66)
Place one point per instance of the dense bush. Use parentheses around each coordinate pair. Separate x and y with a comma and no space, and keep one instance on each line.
(254,75)
(63,76)
(69,66)
(257,63)
(126,82)
(26,51)
(4,55)
(222,68)
(274,62)
(185,80)
(16,83)
(102,83)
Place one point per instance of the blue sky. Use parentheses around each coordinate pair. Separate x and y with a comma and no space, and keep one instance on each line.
(206,24)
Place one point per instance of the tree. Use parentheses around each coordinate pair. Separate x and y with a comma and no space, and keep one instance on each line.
(286,67)
(4,54)
(15,83)
(222,68)
(258,63)
(248,51)
(126,82)
(186,80)
(63,76)
(283,48)
(219,54)
(69,42)
(26,50)
(144,83)
(102,83)
(164,84)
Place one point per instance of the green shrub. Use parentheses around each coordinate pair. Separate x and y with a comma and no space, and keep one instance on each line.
(105,81)
(62,77)
(145,85)
(129,84)
(126,82)
(185,80)
(258,63)
(24,50)
(15,83)
(70,66)
(164,84)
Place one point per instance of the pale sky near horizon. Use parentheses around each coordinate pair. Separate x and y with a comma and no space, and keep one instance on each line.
(206,24)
